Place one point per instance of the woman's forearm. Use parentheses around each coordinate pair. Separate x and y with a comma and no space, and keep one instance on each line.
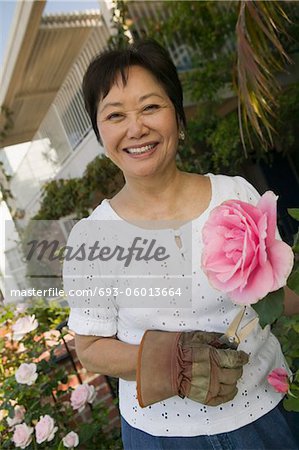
(107,356)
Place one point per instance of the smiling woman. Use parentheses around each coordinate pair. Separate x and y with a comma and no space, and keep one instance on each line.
(178,389)
(139,131)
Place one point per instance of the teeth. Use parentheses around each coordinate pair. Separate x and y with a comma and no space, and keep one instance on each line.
(138,151)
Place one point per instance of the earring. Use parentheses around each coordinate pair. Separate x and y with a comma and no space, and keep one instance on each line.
(182,135)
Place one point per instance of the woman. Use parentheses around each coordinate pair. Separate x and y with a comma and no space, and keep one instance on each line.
(189,393)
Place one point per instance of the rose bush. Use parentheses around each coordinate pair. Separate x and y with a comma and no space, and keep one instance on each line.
(242,256)
(33,416)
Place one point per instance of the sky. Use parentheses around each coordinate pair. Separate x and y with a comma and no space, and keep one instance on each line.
(7,8)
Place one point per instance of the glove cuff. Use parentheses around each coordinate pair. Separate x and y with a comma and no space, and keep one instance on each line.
(156,372)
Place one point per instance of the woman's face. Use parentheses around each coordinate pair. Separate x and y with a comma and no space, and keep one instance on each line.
(138,126)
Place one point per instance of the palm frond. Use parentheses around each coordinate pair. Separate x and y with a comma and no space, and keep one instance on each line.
(260,55)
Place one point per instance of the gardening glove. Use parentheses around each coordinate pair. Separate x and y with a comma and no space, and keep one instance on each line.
(187,364)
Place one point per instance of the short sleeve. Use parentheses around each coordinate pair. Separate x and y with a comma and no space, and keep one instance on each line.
(91,312)
(245,191)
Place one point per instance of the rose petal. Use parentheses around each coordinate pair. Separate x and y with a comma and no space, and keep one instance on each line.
(268,204)
(281,258)
(257,286)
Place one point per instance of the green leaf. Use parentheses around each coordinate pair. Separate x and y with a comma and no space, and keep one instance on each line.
(270,307)
(293,281)
(296,328)
(294,212)
(61,446)
(295,246)
(291,404)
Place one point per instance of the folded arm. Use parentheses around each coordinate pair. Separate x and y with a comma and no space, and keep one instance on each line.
(107,356)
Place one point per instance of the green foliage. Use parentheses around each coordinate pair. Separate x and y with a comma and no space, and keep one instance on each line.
(270,308)
(291,403)
(8,123)
(208,29)
(48,315)
(43,396)
(260,57)
(213,144)
(287,331)
(6,193)
(78,195)
(294,212)
(119,38)
(286,138)
(293,281)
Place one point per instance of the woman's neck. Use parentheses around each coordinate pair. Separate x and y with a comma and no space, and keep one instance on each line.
(159,194)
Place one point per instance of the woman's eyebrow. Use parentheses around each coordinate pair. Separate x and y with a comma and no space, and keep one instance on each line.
(110,104)
(151,94)
(141,99)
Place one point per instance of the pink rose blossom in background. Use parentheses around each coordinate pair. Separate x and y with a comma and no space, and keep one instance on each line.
(22,436)
(52,337)
(45,429)
(23,326)
(241,255)
(71,440)
(279,380)
(19,412)
(21,348)
(82,395)
(26,374)
(20,309)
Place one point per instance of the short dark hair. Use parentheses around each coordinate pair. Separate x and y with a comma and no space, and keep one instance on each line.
(104,69)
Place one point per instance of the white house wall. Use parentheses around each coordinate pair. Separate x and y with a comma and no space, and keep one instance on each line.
(77,162)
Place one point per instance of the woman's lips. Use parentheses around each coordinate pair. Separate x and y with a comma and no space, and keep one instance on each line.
(143,155)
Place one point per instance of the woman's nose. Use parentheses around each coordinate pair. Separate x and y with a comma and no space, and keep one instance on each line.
(136,127)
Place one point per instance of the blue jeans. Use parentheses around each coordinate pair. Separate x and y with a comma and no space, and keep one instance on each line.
(270,432)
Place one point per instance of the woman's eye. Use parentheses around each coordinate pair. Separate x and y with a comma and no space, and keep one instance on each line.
(114,116)
(151,108)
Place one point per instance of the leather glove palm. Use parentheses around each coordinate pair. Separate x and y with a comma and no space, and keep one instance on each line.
(184,364)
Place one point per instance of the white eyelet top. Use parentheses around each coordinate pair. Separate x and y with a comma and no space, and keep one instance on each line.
(209,310)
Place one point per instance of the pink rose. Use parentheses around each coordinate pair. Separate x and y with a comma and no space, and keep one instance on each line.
(19,412)
(26,374)
(52,337)
(45,429)
(279,379)
(241,254)
(24,325)
(82,395)
(71,440)
(22,435)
